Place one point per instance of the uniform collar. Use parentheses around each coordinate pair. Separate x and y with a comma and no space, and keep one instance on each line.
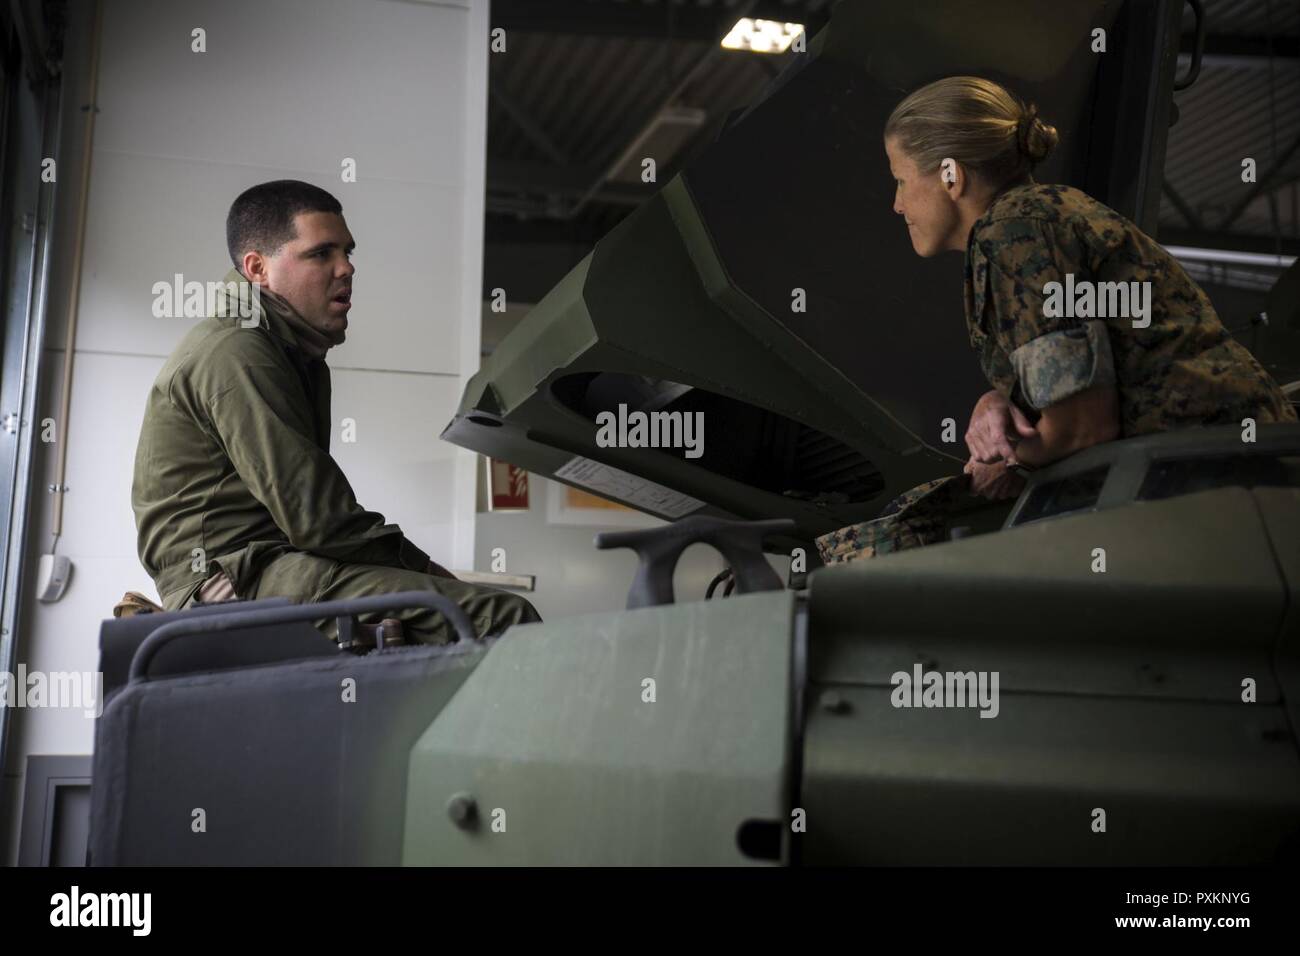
(977,267)
(274,313)
(998,200)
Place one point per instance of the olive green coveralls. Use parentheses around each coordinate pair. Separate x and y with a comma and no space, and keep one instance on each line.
(233,474)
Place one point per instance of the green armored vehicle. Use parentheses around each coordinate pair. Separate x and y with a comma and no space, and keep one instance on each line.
(1104,671)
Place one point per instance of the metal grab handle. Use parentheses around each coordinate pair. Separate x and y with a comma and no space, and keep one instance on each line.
(741,543)
(1198,48)
(211,623)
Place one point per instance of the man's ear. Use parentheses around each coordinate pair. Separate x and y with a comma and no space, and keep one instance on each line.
(254,267)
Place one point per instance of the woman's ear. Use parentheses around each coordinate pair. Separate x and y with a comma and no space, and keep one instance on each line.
(953,178)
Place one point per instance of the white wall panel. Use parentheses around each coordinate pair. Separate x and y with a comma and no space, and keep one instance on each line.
(287,89)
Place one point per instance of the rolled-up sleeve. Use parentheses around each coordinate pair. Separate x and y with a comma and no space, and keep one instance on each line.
(1053,356)
(267,432)
(1055,366)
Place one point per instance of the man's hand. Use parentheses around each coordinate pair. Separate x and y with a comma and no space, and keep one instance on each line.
(438,571)
(993,481)
(996,427)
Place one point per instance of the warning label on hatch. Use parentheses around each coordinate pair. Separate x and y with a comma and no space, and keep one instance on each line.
(628,488)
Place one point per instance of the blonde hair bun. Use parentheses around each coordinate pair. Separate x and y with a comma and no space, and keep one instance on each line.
(1037,139)
(975,121)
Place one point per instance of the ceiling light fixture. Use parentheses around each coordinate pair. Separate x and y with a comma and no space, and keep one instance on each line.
(762,36)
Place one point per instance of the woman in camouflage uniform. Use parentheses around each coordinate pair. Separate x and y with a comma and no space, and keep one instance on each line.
(1087,329)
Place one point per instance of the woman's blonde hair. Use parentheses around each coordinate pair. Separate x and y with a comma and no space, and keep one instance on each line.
(976,122)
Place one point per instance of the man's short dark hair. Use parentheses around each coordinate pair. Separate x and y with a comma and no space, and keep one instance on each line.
(261,218)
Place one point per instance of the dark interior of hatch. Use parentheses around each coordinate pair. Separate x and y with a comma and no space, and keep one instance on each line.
(745,443)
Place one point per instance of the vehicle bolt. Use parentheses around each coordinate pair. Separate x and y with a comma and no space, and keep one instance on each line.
(462,809)
(834,702)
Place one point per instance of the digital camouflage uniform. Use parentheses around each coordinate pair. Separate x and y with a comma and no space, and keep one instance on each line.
(233,459)
(915,518)
(1182,369)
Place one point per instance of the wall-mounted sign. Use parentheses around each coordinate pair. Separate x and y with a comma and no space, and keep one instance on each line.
(507,487)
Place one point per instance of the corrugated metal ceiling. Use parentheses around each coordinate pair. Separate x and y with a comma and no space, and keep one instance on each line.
(1245,104)
(585,76)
